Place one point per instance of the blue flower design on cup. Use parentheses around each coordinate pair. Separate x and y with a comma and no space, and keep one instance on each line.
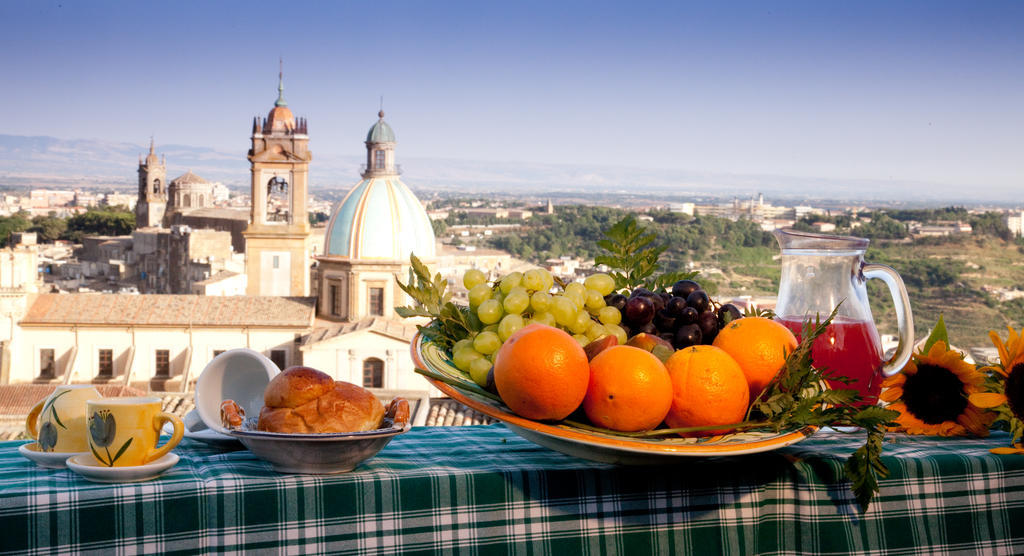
(102,429)
(47,436)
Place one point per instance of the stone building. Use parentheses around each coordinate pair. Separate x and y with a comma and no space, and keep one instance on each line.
(277,238)
(189,191)
(158,342)
(152,203)
(174,260)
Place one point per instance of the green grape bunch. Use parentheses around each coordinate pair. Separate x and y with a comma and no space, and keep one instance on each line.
(500,307)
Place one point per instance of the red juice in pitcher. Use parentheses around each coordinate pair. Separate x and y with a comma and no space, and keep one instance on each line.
(848,348)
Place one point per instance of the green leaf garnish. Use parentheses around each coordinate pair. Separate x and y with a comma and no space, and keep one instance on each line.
(633,258)
(799,396)
(434,300)
(938,334)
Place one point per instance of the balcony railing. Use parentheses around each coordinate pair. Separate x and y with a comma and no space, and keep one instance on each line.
(394,169)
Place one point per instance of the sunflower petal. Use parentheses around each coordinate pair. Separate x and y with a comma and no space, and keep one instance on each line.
(891,394)
(898,379)
(1004,357)
(993,369)
(987,400)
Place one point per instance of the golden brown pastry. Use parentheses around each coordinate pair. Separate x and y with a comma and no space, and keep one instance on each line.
(305,400)
(231,414)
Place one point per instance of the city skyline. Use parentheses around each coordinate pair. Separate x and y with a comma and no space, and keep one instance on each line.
(912,93)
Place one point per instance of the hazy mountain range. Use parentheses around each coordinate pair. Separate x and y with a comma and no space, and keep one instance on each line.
(41,161)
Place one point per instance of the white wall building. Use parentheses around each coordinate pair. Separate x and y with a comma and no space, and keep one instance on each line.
(1015,222)
(160,342)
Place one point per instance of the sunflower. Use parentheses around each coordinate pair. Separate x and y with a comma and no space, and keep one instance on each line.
(933,395)
(1006,388)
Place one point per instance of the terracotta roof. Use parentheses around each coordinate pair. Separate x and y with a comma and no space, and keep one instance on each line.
(446,412)
(170,310)
(222,275)
(18,399)
(280,118)
(178,403)
(389,327)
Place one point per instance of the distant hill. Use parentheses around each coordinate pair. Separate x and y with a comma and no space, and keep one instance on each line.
(49,161)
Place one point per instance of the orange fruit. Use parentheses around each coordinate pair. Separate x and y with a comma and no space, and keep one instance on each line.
(541,373)
(629,390)
(760,346)
(708,388)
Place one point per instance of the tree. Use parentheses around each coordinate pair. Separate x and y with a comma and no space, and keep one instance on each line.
(882,226)
(990,223)
(14,223)
(49,228)
(440,227)
(315,218)
(107,222)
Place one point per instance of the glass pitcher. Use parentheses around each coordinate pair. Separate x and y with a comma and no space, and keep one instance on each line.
(818,272)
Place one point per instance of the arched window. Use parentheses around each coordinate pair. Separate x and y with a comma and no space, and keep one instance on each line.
(187,201)
(156,185)
(277,184)
(373,373)
(200,201)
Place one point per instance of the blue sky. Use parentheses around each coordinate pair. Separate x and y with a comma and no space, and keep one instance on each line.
(927,92)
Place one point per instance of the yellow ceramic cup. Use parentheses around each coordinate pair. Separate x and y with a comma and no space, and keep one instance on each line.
(57,422)
(123,432)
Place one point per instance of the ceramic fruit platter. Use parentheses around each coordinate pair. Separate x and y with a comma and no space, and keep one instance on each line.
(593,445)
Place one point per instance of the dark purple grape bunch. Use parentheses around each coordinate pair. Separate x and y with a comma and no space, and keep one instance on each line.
(686,316)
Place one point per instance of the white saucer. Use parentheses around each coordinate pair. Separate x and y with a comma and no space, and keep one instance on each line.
(49,460)
(215,439)
(87,466)
(208,436)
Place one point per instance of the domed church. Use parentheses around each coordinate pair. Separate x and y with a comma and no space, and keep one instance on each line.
(368,240)
(370,235)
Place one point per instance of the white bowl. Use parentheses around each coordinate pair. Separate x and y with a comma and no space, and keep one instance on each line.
(239,374)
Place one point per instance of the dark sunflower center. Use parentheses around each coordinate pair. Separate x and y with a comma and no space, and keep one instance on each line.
(934,395)
(1015,390)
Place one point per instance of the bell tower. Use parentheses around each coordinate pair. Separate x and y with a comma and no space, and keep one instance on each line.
(152,202)
(277,238)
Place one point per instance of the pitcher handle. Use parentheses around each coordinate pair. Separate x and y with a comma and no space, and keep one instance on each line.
(904,319)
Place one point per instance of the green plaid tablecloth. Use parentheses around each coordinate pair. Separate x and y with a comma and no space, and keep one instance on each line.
(470,490)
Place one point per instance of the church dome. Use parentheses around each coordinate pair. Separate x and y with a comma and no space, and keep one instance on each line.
(380,218)
(188,178)
(280,119)
(380,132)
